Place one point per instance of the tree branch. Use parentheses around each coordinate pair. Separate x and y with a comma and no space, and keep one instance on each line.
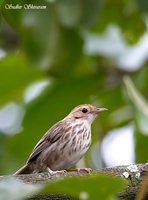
(134,173)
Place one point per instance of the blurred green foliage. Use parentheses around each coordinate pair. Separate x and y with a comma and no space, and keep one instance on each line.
(89,187)
(50,45)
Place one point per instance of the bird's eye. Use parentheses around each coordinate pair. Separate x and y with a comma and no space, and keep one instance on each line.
(84,110)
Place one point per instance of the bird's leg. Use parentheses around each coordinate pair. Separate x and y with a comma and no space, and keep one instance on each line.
(56,172)
(83,170)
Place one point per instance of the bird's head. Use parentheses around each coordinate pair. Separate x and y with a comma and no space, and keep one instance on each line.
(86,112)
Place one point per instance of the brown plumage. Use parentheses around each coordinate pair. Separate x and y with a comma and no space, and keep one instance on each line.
(65,143)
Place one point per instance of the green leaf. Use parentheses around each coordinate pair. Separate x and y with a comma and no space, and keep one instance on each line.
(90,187)
(77,13)
(37,34)
(13,16)
(141,119)
(15,75)
(69,12)
(90,12)
(143,4)
(68,54)
(140,104)
(141,146)
(126,14)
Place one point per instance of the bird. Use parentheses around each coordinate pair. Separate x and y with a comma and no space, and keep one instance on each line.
(64,144)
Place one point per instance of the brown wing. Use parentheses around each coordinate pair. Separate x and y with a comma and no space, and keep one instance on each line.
(51,136)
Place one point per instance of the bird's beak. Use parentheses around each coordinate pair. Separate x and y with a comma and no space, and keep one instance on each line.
(100,110)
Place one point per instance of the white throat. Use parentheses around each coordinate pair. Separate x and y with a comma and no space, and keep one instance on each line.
(90,119)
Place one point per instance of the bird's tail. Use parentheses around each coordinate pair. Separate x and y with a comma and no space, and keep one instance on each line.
(26,169)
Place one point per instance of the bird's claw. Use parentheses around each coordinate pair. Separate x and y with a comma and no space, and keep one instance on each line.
(84,170)
(56,172)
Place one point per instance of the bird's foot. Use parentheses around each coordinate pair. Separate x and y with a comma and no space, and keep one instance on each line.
(56,172)
(85,170)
